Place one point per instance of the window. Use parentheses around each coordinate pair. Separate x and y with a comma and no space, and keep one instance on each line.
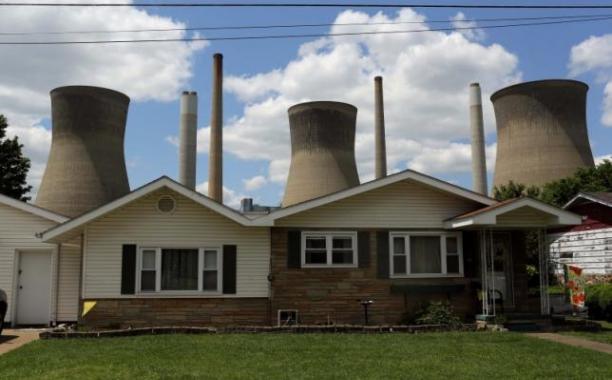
(425,254)
(179,270)
(329,249)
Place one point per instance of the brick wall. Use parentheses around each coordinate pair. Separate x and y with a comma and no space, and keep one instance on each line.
(325,295)
(136,312)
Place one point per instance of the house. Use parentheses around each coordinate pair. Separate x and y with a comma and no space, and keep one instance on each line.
(589,244)
(164,254)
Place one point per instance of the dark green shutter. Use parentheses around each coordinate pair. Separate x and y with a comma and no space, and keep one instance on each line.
(294,249)
(382,253)
(128,269)
(229,269)
(363,247)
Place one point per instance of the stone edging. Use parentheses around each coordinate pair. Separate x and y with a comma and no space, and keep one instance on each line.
(300,329)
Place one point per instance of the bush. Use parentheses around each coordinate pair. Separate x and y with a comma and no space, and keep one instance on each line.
(438,313)
(599,301)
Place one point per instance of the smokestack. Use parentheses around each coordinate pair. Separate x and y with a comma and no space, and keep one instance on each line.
(322,150)
(188,139)
(380,149)
(215,159)
(86,166)
(479,160)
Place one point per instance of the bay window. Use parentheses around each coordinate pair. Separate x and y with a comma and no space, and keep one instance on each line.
(329,249)
(425,254)
(184,270)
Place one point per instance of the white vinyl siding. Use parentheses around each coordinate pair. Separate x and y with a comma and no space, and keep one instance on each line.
(525,217)
(399,205)
(69,272)
(590,250)
(17,233)
(190,225)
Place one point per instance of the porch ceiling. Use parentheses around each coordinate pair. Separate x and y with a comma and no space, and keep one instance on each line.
(516,213)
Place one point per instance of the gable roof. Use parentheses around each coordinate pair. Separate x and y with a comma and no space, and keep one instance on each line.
(487,216)
(139,193)
(32,209)
(372,185)
(602,197)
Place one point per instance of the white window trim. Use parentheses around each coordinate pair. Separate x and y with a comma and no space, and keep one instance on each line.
(158,258)
(443,235)
(329,235)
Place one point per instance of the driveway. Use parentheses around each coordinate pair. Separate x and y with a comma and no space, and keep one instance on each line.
(15,338)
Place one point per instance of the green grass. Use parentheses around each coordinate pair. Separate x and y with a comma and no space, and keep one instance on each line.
(604,336)
(309,356)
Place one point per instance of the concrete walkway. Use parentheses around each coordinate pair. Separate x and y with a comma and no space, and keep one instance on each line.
(574,341)
(12,339)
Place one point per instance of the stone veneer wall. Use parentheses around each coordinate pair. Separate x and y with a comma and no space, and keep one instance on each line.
(323,295)
(136,312)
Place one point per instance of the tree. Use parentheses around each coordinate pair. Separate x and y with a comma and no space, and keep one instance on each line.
(559,192)
(14,166)
(514,190)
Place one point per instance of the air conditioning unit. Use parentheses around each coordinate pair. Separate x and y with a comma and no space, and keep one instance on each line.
(287,317)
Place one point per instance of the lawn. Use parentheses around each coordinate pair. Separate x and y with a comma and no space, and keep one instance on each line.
(309,356)
(604,336)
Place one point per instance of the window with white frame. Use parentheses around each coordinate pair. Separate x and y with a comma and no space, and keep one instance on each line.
(178,270)
(329,249)
(425,254)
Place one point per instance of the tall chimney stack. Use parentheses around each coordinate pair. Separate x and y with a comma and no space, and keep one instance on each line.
(479,161)
(188,139)
(215,159)
(380,151)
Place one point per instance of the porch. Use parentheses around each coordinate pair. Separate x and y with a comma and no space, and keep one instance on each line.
(511,256)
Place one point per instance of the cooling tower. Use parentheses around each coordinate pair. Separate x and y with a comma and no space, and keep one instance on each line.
(188,135)
(541,131)
(322,150)
(86,166)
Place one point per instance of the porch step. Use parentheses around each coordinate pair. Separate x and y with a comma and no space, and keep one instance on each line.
(528,325)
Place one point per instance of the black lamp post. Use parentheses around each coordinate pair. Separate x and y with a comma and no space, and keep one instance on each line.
(366,304)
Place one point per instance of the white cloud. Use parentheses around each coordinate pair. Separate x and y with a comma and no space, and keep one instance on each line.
(461,22)
(595,55)
(600,159)
(231,197)
(144,72)
(426,79)
(254,183)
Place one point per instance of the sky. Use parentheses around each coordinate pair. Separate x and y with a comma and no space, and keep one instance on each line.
(426,79)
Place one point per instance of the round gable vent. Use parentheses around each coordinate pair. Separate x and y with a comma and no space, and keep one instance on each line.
(166,204)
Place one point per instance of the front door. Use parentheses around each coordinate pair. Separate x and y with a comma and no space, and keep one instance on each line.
(34,288)
(502,267)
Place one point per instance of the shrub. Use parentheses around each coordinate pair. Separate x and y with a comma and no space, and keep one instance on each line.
(599,301)
(439,313)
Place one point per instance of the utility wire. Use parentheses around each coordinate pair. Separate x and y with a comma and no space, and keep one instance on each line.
(312,35)
(289,26)
(311,5)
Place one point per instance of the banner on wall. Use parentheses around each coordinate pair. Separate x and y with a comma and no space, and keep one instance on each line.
(575,283)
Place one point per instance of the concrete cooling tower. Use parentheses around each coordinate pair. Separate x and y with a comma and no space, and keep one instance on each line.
(541,131)
(322,150)
(86,166)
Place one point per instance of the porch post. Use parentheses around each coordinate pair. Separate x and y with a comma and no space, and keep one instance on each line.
(543,253)
(483,271)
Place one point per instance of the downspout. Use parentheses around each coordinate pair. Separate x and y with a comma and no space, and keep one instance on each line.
(57,283)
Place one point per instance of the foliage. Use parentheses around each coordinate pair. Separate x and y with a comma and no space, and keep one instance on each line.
(439,313)
(14,166)
(599,301)
(558,193)
(514,190)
